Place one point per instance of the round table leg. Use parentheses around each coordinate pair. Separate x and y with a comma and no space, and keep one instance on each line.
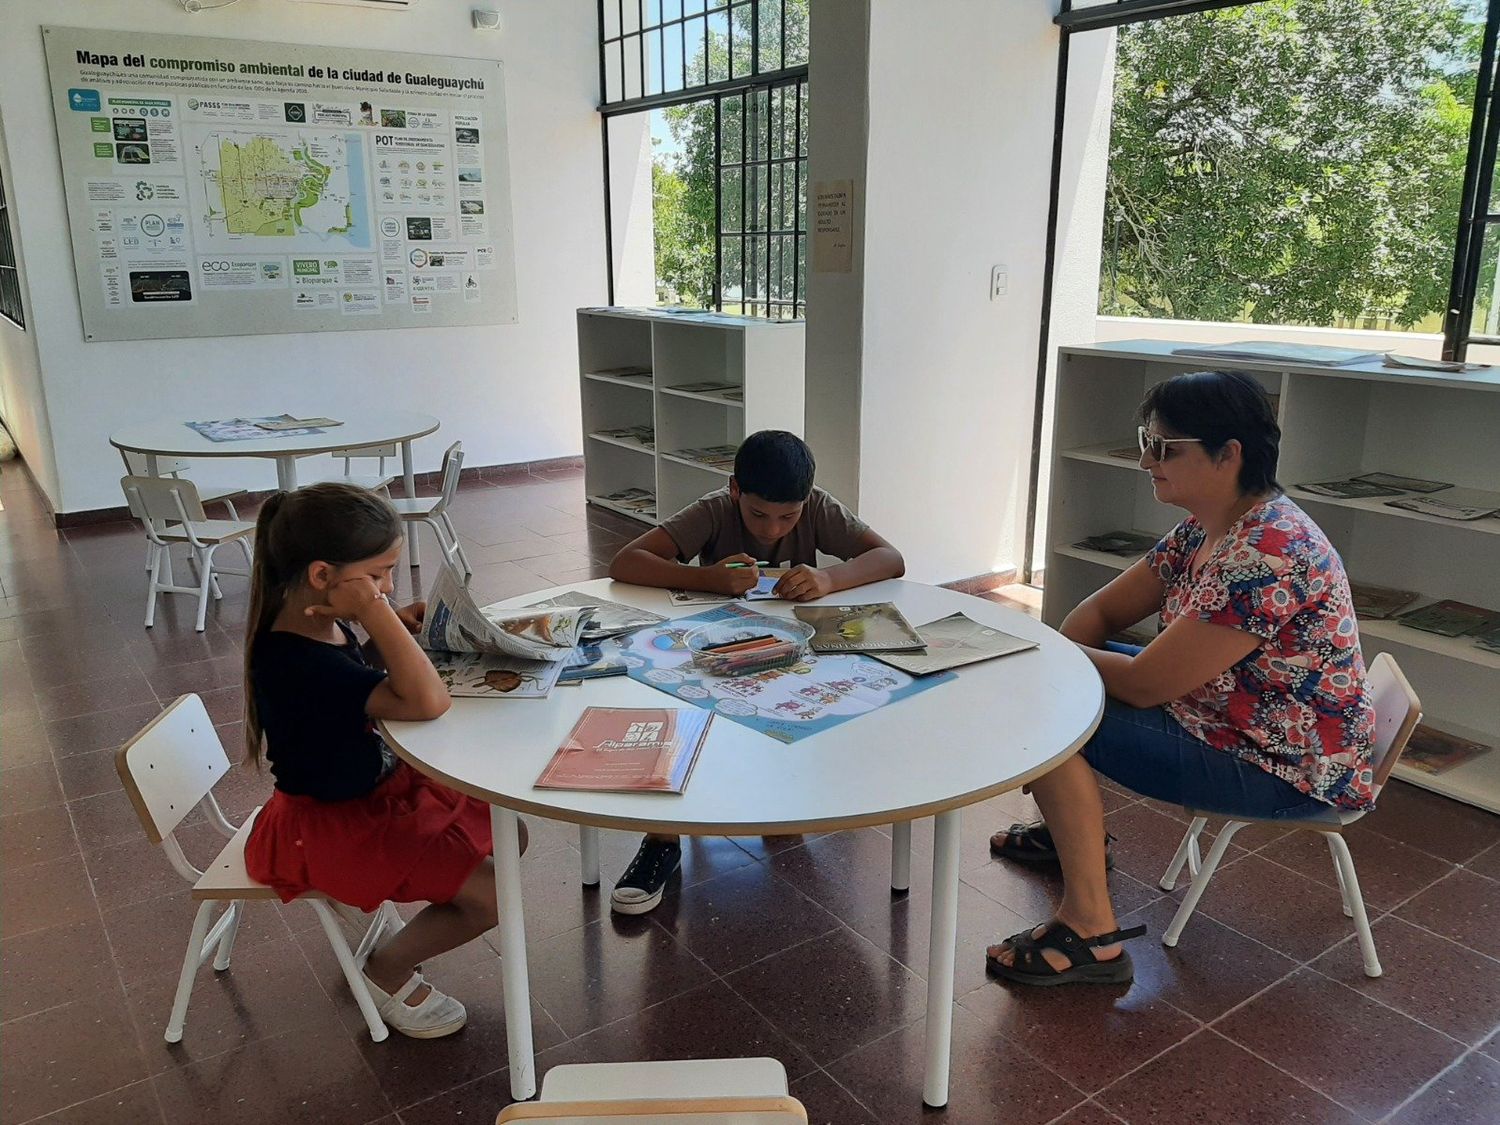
(901,856)
(588,847)
(286,474)
(506,829)
(940,956)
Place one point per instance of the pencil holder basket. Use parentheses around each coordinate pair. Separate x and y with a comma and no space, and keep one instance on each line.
(748,645)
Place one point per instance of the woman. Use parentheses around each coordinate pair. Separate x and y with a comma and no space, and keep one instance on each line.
(1250,702)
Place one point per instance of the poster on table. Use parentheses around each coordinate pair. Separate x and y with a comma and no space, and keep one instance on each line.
(225,187)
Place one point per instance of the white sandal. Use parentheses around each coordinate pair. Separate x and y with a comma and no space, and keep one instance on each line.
(436,1016)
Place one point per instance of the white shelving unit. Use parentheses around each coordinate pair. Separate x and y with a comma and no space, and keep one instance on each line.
(762,358)
(1335,422)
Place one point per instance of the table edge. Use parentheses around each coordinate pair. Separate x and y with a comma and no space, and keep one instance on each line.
(307,451)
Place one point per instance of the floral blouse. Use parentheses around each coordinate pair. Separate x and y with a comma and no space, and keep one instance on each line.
(1298,706)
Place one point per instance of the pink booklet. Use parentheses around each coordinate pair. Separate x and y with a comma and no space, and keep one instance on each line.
(628,750)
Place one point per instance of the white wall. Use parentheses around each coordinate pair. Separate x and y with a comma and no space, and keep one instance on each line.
(509,392)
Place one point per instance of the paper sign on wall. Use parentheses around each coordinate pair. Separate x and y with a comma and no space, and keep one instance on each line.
(833,226)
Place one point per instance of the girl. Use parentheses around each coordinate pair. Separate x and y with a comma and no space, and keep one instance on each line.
(347,819)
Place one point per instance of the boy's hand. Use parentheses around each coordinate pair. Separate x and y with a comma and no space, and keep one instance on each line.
(735,579)
(804,584)
(350,599)
(412,616)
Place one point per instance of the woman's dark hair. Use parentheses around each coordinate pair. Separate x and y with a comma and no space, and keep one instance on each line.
(333,523)
(1218,407)
(776,466)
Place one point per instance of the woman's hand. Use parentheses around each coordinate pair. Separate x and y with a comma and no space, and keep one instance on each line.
(412,616)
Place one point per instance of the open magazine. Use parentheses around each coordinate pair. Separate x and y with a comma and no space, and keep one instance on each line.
(488,652)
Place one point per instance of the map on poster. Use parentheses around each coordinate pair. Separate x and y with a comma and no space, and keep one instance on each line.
(787,704)
(225,187)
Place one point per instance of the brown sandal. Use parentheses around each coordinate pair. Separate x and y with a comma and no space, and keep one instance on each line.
(1031,967)
(1032,843)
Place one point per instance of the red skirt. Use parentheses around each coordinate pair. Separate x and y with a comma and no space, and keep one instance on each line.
(410,840)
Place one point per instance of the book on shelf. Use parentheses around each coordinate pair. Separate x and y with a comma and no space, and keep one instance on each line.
(1488,638)
(953,642)
(633,374)
(1452,504)
(1350,489)
(706,387)
(714,456)
(473,675)
(1379,602)
(735,394)
(605,618)
(1124,543)
(633,500)
(876,627)
(1318,355)
(1422,363)
(640,435)
(1449,618)
(629,750)
(1403,484)
(1434,751)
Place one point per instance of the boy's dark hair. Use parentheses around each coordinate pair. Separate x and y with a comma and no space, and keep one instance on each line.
(776,466)
(1217,407)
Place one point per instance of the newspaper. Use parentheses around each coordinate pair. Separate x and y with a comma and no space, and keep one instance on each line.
(454,623)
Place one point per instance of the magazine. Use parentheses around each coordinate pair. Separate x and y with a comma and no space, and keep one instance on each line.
(608,619)
(1124,543)
(633,499)
(1403,484)
(628,750)
(877,627)
(1379,602)
(633,374)
(952,642)
(1449,618)
(594,660)
(1349,489)
(287,422)
(763,591)
(249,429)
(1452,504)
(713,456)
(1436,751)
(1422,363)
(1272,351)
(473,675)
(455,624)
(708,387)
(1488,638)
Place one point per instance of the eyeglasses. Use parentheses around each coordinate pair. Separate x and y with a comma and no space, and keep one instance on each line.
(1156,445)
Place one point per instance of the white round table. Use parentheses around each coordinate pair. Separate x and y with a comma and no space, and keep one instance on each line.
(999,724)
(360,428)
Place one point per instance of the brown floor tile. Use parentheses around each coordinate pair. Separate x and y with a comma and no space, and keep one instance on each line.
(67,622)
(1034,892)
(739,918)
(102,693)
(833,994)
(150,938)
(88,775)
(135,1104)
(828,1103)
(102,730)
(137,870)
(1467,1094)
(1211,970)
(1275,906)
(1389,872)
(609,969)
(28,788)
(163,647)
(703,857)
(35,837)
(1065,1026)
(60,965)
(1368,1057)
(23,739)
(1089,1113)
(478,1100)
(200,676)
(71,657)
(554,899)
(1486,863)
(1433,824)
(55,893)
(1463,907)
(1146,840)
(1242,1089)
(104,820)
(1446,986)
(847,873)
(988,1081)
(69,1054)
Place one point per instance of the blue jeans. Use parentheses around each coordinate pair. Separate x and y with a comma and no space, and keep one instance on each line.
(1149,752)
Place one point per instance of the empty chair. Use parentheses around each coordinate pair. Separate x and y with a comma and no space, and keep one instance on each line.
(172,512)
(701,1091)
(226,494)
(377,481)
(1397,712)
(168,770)
(433,510)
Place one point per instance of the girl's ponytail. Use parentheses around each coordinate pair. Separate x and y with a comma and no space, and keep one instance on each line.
(267,592)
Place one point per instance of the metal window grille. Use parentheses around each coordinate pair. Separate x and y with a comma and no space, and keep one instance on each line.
(10,280)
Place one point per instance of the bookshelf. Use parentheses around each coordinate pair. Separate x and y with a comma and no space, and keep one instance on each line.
(1335,422)
(758,364)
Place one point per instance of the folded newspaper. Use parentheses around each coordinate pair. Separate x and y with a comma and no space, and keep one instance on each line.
(455,623)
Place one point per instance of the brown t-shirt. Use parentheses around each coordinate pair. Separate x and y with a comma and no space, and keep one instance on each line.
(710,529)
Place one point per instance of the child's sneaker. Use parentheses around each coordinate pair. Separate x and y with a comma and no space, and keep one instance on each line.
(640,888)
(436,1016)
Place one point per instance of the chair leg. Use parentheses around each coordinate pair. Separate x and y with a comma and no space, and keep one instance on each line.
(244,546)
(1200,882)
(205,579)
(1185,854)
(352,973)
(1338,873)
(152,582)
(458,545)
(189,971)
(213,579)
(226,943)
(1350,882)
(229,505)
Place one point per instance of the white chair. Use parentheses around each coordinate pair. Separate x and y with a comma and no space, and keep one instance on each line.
(168,769)
(378,481)
(699,1092)
(136,465)
(172,512)
(1397,712)
(433,510)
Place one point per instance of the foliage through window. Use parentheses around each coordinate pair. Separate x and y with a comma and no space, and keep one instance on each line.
(10,281)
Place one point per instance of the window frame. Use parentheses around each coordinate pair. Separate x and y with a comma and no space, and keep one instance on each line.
(1477,220)
(12,304)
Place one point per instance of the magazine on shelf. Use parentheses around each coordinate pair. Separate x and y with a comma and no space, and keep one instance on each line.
(1376,603)
(474,675)
(632,499)
(1434,751)
(1318,355)
(640,435)
(1123,543)
(1449,618)
(1403,484)
(714,456)
(606,619)
(633,374)
(454,623)
(952,642)
(628,750)
(1349,489)
(1422,363)
(877,627)
(706,387)
(1488,638)
(1452,504)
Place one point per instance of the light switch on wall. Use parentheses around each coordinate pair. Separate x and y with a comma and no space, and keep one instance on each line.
(999,282)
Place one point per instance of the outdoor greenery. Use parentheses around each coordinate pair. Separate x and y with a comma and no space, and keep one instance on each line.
(1290,161)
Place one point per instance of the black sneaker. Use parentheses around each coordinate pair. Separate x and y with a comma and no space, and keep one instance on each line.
(640,888)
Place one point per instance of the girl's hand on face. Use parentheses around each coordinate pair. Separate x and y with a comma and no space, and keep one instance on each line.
(349,599)
(412,616)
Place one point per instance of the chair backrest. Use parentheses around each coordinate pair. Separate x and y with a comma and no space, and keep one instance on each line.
(1397,712)
(453,464)
(171,765)
(763,1110)
(158,500)
(137,466)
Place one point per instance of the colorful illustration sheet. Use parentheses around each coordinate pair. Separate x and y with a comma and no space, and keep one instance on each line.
(473,675)
(249,429)
(787,704)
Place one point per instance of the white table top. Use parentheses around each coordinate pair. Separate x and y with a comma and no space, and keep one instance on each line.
(360,428)
(1001,723)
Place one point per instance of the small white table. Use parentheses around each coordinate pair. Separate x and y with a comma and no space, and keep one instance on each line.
(360,428)
(998,725)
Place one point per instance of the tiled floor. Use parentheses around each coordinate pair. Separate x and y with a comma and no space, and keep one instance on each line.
(792,947)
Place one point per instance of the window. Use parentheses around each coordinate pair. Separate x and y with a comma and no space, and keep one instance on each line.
(1474,298)
(10,281)
(725,85)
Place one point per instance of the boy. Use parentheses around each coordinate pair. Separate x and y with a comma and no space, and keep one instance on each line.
(770,514)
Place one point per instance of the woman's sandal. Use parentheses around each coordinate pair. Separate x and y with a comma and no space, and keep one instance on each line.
(1032,843)
(1030,966)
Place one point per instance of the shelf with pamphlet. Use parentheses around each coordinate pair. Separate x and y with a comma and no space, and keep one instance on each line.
(1369,437)
(678,387)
